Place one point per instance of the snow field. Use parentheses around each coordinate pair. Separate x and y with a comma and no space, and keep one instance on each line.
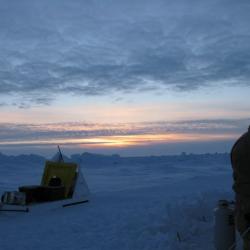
(161,203)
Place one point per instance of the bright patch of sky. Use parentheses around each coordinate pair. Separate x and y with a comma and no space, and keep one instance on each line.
(209,103)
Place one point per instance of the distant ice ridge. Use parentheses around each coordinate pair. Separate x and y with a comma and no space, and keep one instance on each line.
(163,202)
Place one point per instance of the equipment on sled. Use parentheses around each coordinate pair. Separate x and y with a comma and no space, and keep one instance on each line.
(62,185)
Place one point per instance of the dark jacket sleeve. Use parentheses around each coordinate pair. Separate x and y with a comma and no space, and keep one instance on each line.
(240,159)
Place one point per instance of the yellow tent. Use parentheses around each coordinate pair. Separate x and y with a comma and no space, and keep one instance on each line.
(67,172)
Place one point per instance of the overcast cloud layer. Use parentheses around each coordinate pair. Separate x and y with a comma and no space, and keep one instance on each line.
(100,47)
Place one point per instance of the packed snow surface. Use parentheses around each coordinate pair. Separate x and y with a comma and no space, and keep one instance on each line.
(163,202)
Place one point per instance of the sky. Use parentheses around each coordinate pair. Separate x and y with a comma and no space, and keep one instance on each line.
(130,77)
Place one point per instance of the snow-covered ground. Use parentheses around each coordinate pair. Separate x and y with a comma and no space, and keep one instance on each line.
(136,203)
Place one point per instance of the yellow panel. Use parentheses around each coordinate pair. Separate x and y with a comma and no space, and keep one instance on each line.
(65,171)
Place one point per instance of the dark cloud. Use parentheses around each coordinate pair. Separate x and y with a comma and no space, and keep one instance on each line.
(99,47)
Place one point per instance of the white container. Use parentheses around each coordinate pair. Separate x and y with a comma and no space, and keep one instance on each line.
(15,198)
(224,231)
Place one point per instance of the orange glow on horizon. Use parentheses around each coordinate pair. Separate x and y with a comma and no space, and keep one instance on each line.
(124,140)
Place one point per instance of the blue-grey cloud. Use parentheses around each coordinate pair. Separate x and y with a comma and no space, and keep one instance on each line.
(98,47)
